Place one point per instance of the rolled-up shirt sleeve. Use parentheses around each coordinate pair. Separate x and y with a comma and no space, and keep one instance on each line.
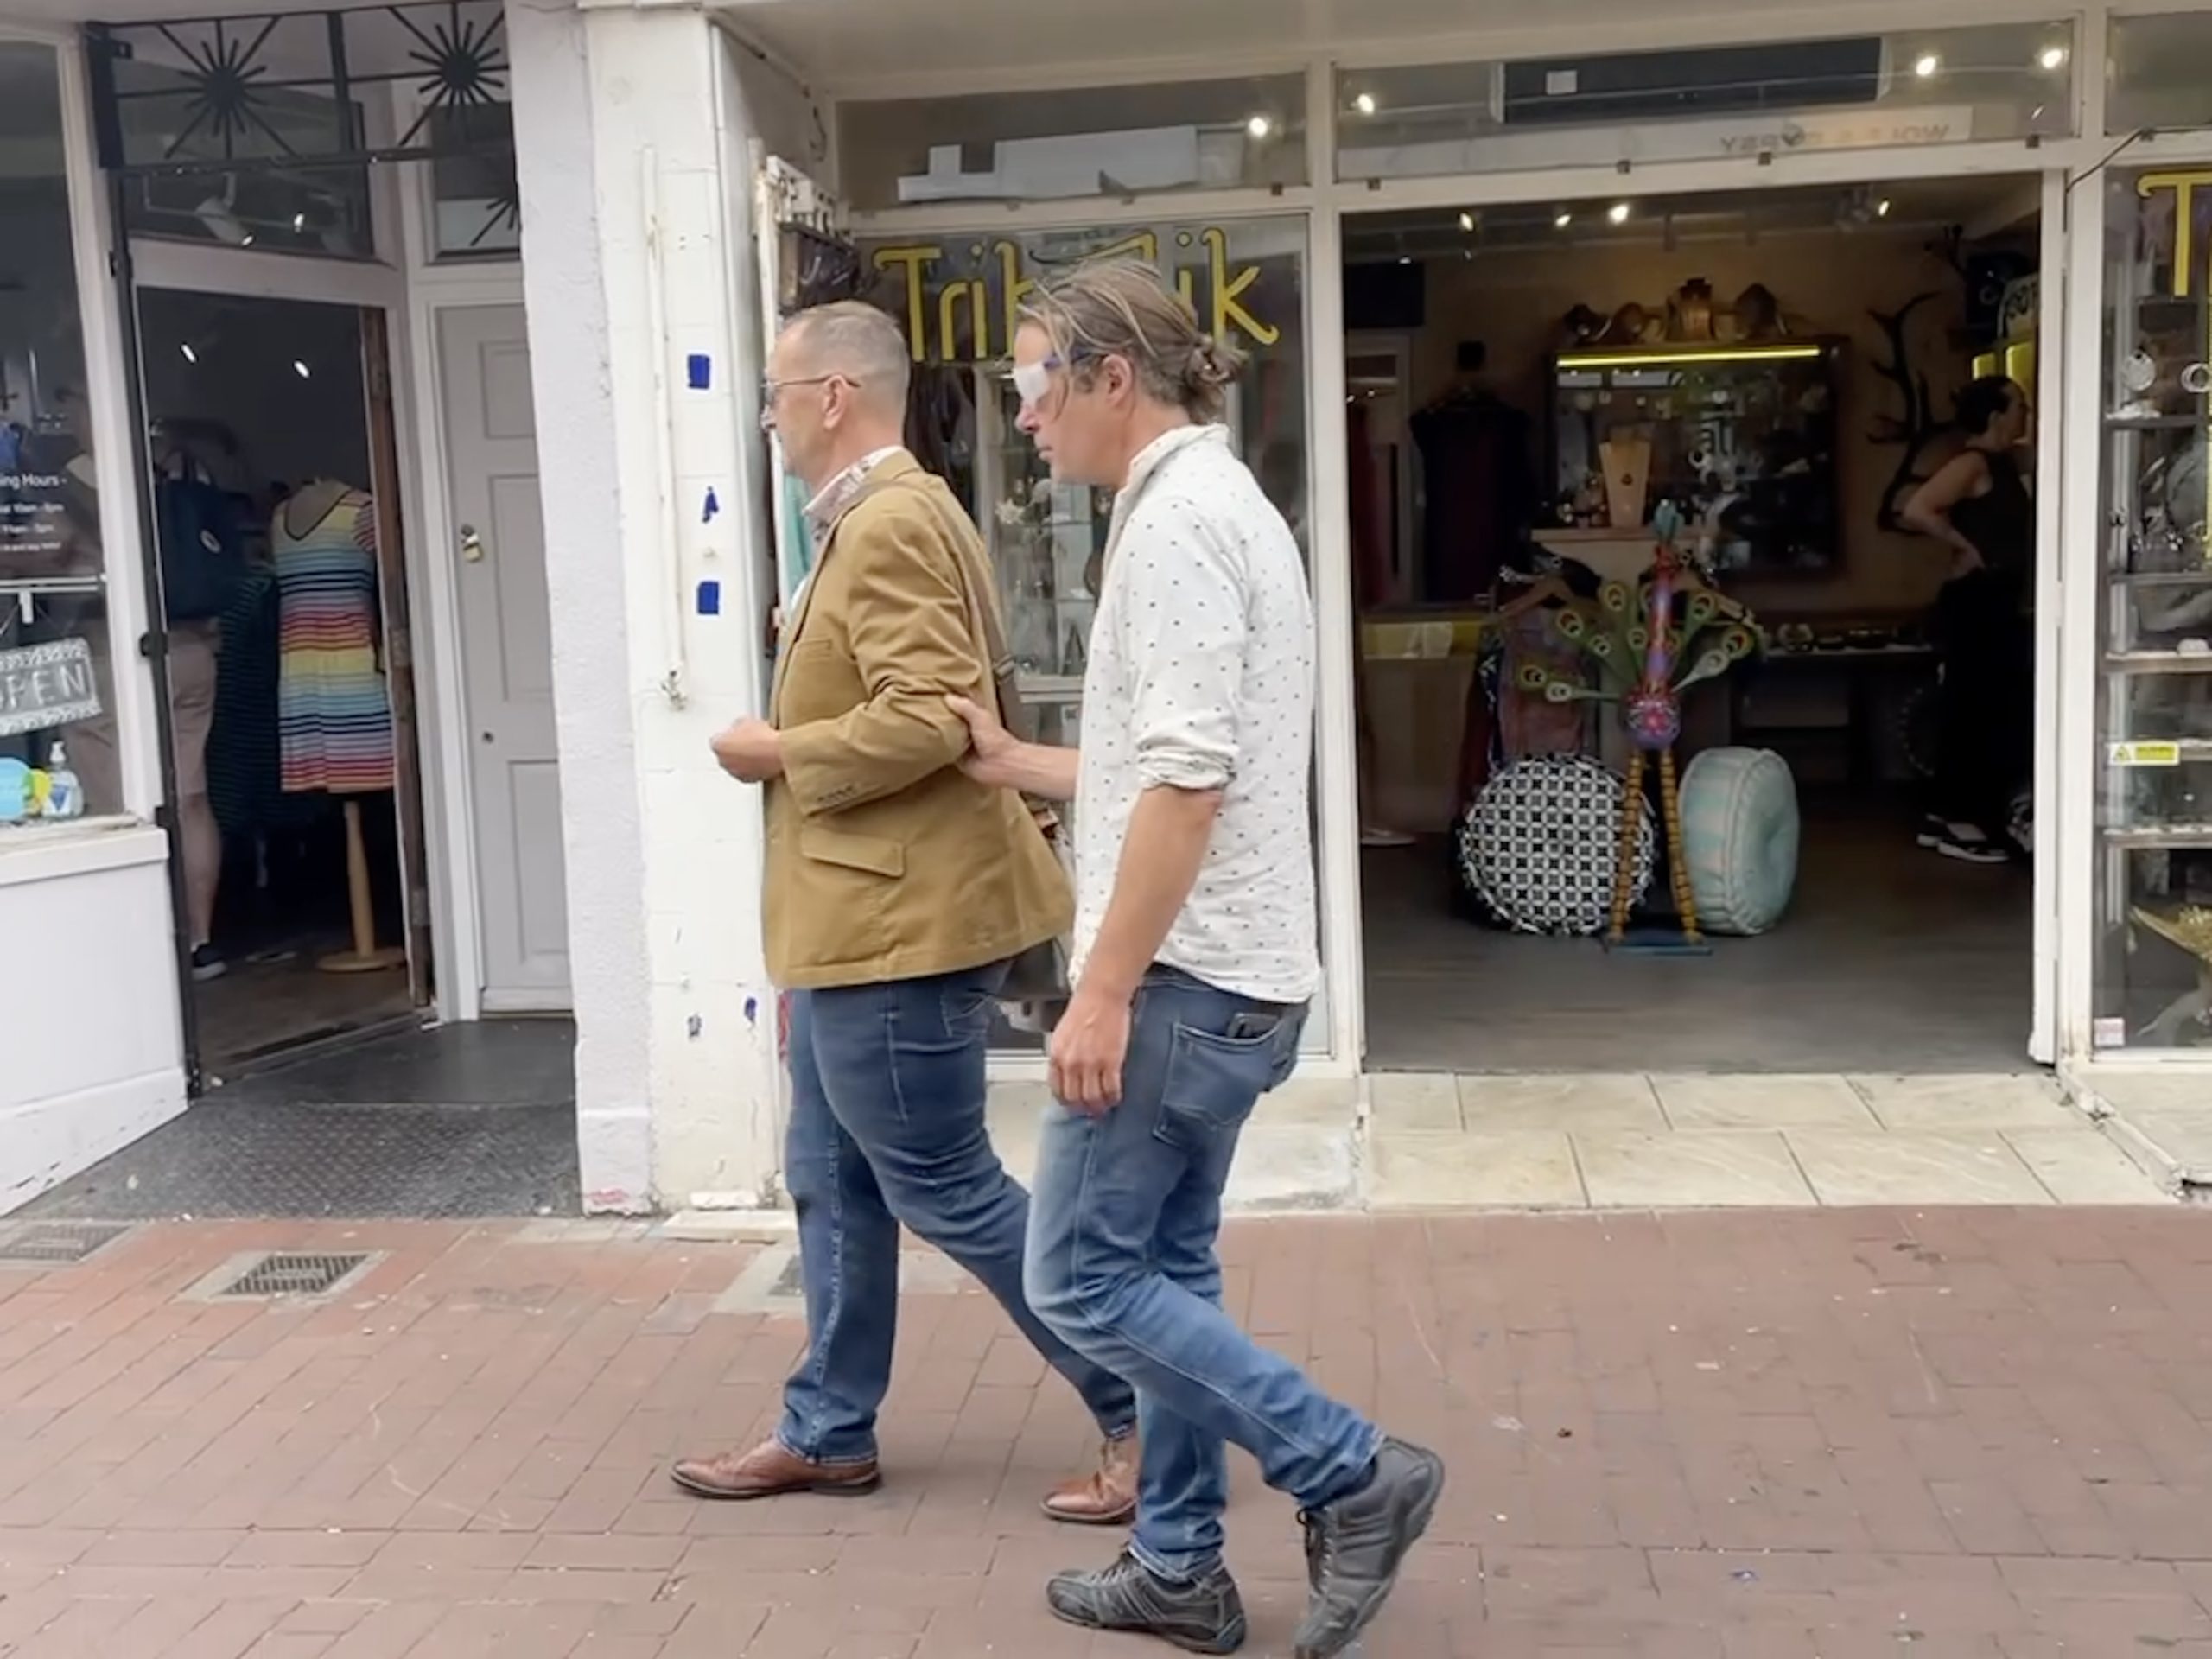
(1184,623)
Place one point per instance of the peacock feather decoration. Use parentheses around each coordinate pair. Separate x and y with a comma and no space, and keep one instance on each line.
(1645,642)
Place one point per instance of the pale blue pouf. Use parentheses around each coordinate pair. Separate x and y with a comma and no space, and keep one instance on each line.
(1739,838)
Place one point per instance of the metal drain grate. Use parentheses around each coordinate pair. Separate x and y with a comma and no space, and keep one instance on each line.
(50,1244)
(293,1276)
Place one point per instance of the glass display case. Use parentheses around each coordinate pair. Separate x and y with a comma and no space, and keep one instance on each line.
(2153,986)
(1742,437)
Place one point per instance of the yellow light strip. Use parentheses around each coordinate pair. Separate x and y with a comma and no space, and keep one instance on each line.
(1694,354)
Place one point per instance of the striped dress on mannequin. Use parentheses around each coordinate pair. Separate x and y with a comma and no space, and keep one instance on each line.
(335,717)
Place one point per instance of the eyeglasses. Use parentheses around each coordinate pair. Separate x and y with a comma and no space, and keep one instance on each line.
(770,387)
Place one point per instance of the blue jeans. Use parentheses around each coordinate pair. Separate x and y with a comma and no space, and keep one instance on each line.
(1121,1264)
(886,1128)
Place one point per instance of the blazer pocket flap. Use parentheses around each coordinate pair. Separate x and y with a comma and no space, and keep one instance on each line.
(870,852)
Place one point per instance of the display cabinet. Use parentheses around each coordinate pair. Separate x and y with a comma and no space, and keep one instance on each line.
(2153,986)
(1741,437)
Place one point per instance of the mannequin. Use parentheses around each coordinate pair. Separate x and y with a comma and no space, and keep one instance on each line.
(336,715)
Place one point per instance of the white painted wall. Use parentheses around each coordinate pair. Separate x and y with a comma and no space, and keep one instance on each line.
(633,248)
(89,987)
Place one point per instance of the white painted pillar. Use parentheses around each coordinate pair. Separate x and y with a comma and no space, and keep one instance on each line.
(637,263)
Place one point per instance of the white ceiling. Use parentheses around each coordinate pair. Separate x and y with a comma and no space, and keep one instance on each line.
(839,44)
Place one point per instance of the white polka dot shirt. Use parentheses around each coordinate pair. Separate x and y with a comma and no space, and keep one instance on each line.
(1201,675)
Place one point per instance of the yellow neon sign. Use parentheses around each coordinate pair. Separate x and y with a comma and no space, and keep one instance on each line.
(972,319)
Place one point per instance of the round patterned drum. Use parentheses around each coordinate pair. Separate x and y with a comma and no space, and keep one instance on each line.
(1537,847)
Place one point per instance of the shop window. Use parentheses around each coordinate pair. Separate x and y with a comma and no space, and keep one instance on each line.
(2154,804)
(1900,91)
(958,298)
(1074,143)
(2157,79)
(475,203)
(321,212)
(57,698)
(228,111)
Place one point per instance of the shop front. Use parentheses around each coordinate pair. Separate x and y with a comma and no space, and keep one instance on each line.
(1503,294)
(228,835)
(1573,243)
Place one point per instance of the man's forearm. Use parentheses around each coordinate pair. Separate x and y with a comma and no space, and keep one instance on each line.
(1044,770)
(1167,844)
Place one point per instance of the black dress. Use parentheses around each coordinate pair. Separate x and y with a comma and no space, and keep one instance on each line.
(1985,745)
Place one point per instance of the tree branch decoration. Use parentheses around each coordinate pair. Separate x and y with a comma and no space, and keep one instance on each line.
(1917,430)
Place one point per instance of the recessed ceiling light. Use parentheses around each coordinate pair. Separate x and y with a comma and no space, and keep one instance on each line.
(2054,57)
(1927,65)
(299,221)
(1882,208)
(301,369)
(1618,213)
(1259,126)
(1466,222)
(1405,258)
(1365,103)
(190,355)
(1563,221)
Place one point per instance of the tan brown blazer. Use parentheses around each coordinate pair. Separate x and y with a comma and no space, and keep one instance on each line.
(884,862)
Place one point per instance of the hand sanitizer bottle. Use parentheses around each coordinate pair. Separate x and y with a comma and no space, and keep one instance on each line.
(64,796)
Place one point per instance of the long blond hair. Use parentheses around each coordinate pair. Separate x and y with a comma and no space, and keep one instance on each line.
(1120,308)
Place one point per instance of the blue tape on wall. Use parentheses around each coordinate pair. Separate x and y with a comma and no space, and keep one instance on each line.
(709,507)
(699,370)
(711,598)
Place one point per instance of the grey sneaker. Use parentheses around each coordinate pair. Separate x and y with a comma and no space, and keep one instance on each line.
(1355,1545)
(1205,1616)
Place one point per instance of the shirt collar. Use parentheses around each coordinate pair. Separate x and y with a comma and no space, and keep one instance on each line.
(1171,443)
(833,497)
(1149,460)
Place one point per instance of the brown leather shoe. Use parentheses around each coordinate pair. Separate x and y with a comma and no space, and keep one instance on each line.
(1105,1498)
(771,1470)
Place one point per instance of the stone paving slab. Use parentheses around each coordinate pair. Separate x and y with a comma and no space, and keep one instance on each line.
(1916,1433)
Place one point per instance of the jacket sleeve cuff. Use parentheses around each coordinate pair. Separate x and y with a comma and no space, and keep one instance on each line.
(816,771)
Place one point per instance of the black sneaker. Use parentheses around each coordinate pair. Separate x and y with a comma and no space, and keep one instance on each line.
(1205,1616)
(1355,1547)
(207,964)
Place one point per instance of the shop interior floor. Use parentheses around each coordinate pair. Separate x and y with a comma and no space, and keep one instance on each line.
(1889,958)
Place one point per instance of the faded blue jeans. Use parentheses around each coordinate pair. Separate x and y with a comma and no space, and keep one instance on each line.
(1121,1264)
(886,1129)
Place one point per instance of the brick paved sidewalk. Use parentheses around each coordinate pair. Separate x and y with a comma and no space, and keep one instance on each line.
(1741,1436)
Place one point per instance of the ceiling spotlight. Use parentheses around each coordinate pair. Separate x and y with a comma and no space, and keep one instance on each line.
(1365,103)
(299,221)
(301,369)
(1259,126)
(1466,222)
(1618,213)
(190,355)
(1882,208)
(1927,65)
(1405,258)
(1564,219)
(2053,57)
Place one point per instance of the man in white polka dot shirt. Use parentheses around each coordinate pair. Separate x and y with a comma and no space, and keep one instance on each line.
(1194,958)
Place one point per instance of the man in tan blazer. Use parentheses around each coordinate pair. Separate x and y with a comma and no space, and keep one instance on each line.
(897,890)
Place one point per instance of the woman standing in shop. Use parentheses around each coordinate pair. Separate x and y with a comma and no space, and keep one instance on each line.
(1979,506)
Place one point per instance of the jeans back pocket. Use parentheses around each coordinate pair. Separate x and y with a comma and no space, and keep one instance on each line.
(1214,1080)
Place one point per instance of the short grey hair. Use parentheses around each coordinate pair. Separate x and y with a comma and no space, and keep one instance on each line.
(855,340)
